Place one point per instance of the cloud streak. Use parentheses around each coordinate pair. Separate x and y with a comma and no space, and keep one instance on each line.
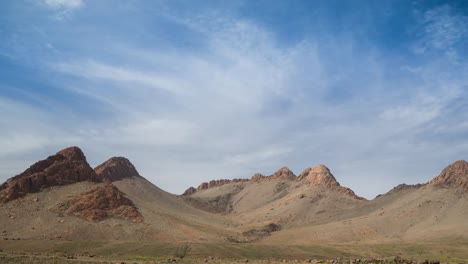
(238,100)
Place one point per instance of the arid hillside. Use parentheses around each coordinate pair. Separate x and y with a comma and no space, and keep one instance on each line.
(63,198)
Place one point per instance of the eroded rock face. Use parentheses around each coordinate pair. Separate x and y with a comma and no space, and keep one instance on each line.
(66,167)
(258,177)
(189,191)
(211,184)
(101,203)
(454,175)
(116,168)
(283,174)
(320,175)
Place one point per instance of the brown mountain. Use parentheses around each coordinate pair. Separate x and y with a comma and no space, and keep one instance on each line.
(436,210)
(61,197)
(116,168)
(320,175)
(281,198)
(66,167)
(455,175)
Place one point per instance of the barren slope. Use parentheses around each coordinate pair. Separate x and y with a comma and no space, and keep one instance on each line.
(125,207)
(282,198)
(63,198)
(433,211)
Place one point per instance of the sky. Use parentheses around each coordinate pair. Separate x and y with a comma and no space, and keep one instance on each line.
(192,91)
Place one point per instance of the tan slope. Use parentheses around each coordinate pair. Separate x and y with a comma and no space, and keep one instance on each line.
(170,214)
(125,207)
(282,198)
(433,211)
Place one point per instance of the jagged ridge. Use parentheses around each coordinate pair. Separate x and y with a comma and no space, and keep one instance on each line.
(65,167)
(319,175)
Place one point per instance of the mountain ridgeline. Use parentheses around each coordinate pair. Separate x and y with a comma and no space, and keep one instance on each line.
(113,201)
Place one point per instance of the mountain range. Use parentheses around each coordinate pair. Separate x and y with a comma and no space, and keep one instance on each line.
(63,198)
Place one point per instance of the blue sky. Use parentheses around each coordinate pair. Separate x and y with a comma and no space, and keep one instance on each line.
(191,91)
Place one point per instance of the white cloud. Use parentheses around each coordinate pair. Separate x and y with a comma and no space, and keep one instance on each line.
(95,70)
(414,114)
(63,9)
(442,30)
(64,4)
(266,155)
(245,104)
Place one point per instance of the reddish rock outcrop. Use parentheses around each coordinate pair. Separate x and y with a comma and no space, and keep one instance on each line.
(202,186)
(101,203)
(454,175)
(283,174)
(211,184)
(116,168)
(189,191)
(320,175)
(66,167)
(258,177)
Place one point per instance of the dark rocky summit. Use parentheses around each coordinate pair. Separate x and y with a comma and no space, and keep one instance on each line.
(66,167)
(116,168)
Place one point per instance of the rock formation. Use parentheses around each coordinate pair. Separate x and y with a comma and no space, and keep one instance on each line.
(454,175)
(258,177)
(211,184)
(116,168)
(320,175)
(283,174)
(66,167)
(101,203)
(189,191)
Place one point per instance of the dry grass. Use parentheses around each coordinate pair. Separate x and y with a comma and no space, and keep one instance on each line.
(455,251)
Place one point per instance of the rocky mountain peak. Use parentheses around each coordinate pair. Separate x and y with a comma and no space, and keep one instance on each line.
(116,168)
(454,175)
(73,153)
(320,175)
(190,191)
(284,173)
(257,177)
(66,167)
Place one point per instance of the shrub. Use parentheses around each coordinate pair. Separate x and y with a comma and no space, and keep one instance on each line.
(182,251)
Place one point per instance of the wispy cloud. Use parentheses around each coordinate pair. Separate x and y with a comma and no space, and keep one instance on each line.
(95,70)
(236,100)
(64,4)
(443,29)
(63,8)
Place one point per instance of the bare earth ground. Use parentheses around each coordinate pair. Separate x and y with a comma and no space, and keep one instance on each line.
(33,251)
